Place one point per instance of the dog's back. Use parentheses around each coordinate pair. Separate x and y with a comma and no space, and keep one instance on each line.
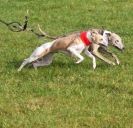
(63,42)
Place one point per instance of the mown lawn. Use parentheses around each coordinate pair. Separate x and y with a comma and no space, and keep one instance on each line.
(65,95)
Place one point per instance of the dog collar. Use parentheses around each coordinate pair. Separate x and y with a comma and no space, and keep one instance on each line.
(85,39)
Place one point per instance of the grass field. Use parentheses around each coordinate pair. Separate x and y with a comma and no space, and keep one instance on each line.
(65,95)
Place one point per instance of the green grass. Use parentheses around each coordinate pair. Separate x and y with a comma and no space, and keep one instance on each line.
(65,95)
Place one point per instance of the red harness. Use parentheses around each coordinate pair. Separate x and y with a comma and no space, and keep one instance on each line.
(84,38)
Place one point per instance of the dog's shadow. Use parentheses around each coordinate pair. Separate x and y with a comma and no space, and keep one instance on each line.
(15,64)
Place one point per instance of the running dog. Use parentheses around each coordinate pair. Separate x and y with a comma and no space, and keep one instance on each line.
(110,39)
(73,44)
(96,49)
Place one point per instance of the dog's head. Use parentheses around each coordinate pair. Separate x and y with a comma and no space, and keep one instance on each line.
(116,41)
(96,37)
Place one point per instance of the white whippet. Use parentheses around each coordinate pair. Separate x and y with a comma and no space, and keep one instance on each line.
(96,49)
(73,44)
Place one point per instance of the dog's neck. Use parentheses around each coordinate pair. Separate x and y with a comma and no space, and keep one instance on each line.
(86,38)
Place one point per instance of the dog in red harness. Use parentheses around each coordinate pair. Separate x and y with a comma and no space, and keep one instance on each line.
(73,44)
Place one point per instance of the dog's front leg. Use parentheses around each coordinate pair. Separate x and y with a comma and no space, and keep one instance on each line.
(94,50)
(75,53)
(114,56)
(97,54)
(91,56)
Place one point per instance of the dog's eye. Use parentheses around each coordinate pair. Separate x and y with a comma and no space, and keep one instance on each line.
(101,39)
(116,41)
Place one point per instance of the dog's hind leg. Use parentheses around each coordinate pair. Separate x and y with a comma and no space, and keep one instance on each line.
(23,64)
(34,56)
(26,61)
(37,53)
(45,61)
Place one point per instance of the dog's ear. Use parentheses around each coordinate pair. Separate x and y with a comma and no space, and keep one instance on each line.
(101,31)
(109,34)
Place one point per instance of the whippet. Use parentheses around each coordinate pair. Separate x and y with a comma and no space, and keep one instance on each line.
(73,44)
(109,39)
(96,49)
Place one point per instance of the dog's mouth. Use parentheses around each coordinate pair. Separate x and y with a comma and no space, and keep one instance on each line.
(122,50)
(102,45)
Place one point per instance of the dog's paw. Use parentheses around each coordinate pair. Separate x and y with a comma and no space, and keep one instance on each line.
(94,66)
(79,61)
(113,64)
(34,66)
(19,70)
(118,62)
